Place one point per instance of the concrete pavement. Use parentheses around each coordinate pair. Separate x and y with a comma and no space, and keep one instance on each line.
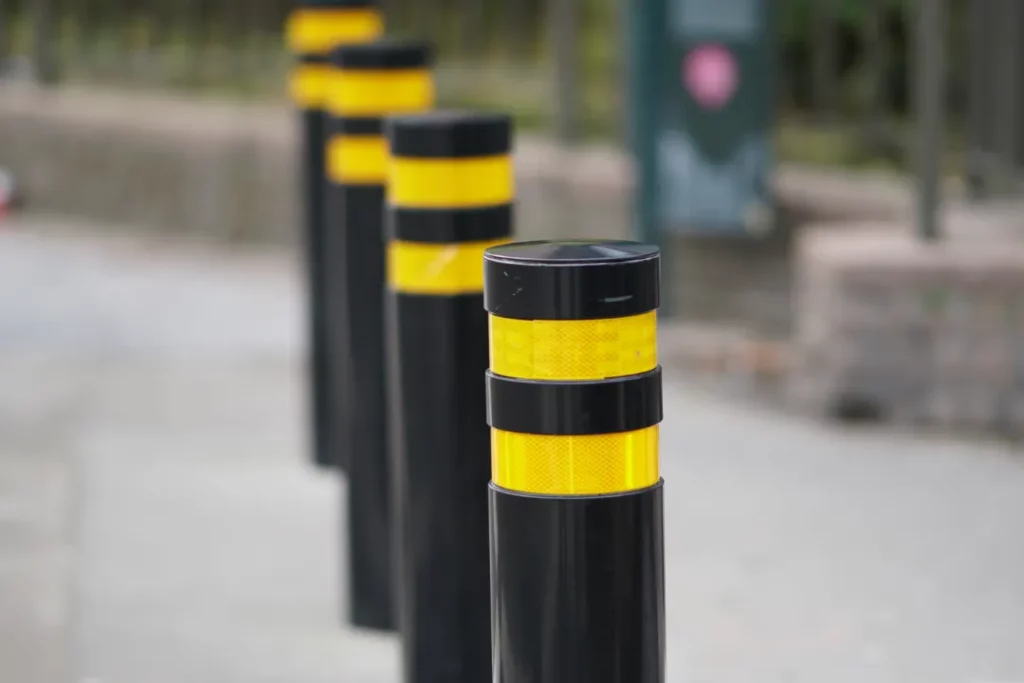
(158,523)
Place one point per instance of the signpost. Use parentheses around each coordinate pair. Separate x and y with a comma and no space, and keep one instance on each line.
(703,93)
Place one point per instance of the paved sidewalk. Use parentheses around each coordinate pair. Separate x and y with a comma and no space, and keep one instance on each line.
(158,523)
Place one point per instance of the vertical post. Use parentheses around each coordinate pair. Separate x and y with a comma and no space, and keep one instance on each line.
(574,403)
(1007,102)
(314,28)
(450,198)
(979,91)
(825,67)
(929,87)
(368,82)
(5,36)
(877,67)
(44,41)
(564,43)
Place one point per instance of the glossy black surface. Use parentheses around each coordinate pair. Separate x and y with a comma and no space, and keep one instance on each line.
(619,404)
(450,134)
(312,58)
(356,125)
(383,54)
(355,262)
(445,226)
(571,280)
(578,588)
(441,458)
(321,404)
(573,252)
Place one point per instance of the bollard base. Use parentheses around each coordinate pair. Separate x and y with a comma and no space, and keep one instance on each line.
(363,425)
(321,406)
(577,587)
(441,470)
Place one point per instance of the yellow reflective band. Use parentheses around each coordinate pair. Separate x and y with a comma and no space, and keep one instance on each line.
(315,31)
(450,183)
(575,465)
(438,269)
(357,159)
(308,85)
(379,92)
(574,349)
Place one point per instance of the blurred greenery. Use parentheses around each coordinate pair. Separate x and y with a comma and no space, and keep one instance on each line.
(493,54)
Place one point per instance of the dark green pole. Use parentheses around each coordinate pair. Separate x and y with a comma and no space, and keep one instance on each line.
(451,193)
(368,83)
(930,71)
(314,28)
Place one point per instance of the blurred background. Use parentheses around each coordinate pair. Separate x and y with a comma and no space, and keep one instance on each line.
(157,519)
(843,87)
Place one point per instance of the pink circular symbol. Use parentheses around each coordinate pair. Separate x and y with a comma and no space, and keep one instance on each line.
(710,74)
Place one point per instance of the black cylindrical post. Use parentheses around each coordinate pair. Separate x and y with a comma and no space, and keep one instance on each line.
(368,83)
(314,28)
(574,404)
(450,193)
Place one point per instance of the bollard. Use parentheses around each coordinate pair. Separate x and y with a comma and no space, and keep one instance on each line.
(314,28)
(574,404)
(450,195)
(368,82)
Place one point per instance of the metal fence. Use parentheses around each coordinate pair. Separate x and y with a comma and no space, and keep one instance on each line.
(845,93)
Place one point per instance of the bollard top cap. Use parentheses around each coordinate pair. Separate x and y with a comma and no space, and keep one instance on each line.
(572,252)
(450,134)
(384,54)
(571,279)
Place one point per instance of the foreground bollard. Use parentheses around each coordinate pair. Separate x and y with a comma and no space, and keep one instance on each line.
(574,403)
(314,28)
(368,82)
(449,198)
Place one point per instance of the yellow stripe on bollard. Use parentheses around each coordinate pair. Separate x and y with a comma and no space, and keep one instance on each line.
(589,464)
(315,31)
(357,159)
(307,85)
(377,92)
(574,349)
(439,269)
(451,183)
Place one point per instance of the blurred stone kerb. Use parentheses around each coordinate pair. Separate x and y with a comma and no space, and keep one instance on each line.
(912,332)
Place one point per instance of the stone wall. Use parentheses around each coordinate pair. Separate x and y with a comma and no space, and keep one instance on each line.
(916,333)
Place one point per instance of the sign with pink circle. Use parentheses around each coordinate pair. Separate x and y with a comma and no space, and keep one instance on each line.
(711,74)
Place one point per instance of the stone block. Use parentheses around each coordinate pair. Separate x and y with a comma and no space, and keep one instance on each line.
(927,333)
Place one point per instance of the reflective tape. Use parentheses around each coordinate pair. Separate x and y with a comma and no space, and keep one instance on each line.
(574,349)
(307,85)
(437,269)
(587,464)
(315,31)
(357,159)
(379,92)
(450,183)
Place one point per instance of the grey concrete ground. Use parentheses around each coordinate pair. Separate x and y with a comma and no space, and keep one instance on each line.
(158,523)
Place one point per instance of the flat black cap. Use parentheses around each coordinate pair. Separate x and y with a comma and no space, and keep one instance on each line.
(571,279)
(450,134)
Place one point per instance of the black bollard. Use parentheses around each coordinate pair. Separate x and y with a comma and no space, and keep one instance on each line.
(574,404)
(450,193)
(314,28)
(368,82)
